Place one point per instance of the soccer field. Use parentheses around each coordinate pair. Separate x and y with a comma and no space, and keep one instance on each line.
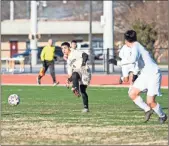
(52,115)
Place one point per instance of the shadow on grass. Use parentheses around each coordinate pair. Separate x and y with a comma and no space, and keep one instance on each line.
(139,110)
(33,113)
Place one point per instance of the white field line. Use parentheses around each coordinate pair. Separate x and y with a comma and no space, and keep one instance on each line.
(121,86)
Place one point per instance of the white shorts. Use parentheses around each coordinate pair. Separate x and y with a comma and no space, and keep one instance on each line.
(151,82)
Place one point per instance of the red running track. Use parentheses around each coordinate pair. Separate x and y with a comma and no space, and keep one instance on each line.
(30,79)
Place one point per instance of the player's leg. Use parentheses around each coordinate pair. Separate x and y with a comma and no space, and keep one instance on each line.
(126,73)
(12,65)
(42,72)
(84,97)
(130,80)
(153,90)
(135,96)
(138,86)
(121,78)
(52,72)
(75,81)
(157,108)
(22,66)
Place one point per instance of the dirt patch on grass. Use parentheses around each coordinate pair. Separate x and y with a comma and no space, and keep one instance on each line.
(51,132)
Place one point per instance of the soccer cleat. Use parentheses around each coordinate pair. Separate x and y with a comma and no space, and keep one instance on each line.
(76,92)
(38,81)
(144,91)
(55,84)
(120,81)
(148,115)
(85,110)
(162,119)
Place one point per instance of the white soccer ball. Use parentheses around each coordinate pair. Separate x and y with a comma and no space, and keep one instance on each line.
(13,99)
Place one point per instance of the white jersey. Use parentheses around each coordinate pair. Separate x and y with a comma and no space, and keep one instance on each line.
(74,64)
(74,61)
(142,56)
(125,54)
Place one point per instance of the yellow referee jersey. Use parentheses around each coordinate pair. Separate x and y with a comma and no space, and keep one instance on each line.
(48,53)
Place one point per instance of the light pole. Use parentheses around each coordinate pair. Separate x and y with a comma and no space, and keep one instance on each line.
(90,37)
(11,10)
(108,31)
(33,29)
(158,19)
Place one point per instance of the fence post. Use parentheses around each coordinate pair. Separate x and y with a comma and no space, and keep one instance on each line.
(107,58)
(64,66)
(30,63)
(113,57)
(104,62)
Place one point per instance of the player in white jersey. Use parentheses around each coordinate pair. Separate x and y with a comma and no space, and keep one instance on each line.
(150,77)
(125,54)
(73,45)
(78,72)
(129,71)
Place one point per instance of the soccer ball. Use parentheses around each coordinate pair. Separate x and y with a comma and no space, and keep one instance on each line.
(13,99)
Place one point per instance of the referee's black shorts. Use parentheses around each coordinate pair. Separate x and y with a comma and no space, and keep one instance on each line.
(49,64)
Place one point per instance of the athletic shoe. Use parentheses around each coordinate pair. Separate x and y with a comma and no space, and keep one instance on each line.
(38,81)
(144,91)
(76,92)
(85,110)
(55,84)
(148,115)
(162,119)
(120,81)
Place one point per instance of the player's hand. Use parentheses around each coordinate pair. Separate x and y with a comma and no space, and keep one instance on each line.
(112,61)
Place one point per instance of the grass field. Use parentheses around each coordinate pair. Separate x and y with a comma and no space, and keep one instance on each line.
(52,115)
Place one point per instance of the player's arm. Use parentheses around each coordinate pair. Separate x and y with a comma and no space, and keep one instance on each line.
(69,79)
(130,60)
(114,60)
(83,55)
(42,56)
(125,74)
(69,70)
(84,58)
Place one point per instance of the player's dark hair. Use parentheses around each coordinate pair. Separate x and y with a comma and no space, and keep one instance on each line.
(130,36)
(74,41)
(66,44)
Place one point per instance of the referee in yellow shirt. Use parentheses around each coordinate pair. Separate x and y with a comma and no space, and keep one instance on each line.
(47,57)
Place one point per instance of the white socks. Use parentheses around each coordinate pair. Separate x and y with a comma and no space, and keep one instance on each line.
(158,110)
(139,101)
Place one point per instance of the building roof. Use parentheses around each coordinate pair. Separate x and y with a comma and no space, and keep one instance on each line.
(22,27)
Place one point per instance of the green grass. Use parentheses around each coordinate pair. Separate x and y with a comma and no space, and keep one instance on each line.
(162,63)
(52,115)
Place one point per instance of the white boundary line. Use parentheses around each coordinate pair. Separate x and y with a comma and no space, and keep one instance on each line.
(62,85)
